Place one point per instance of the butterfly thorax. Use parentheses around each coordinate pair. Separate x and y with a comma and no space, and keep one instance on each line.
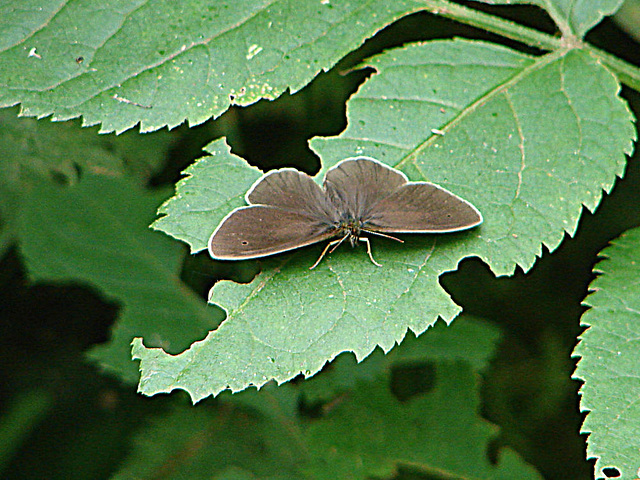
(349,228)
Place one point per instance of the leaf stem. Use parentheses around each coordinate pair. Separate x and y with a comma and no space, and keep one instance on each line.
(627,73)
(493,24)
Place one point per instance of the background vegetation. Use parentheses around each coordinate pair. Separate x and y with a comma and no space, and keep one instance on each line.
(491,396)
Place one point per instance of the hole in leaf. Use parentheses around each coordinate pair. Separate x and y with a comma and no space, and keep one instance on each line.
(410,380)
(611,472)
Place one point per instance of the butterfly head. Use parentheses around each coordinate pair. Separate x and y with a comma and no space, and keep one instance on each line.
(350,229)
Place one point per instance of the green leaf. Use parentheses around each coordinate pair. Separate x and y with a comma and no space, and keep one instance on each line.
(353,442)
(500,150)
(213,187)
(21,417)
(468,340)
(96,232)
(363,431)
(610,355)
(36,150)
(159,62)
(572,18)
(44,148)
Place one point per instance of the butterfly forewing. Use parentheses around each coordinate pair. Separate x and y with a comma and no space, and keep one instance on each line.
(355,185)
(291,190)
(259,231)
(421,207)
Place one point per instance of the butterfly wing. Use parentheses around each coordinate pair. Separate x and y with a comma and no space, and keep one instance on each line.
(290,189)
(421,207)
(355,185)
(259,231)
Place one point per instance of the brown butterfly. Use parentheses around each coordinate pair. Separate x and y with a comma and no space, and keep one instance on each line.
(288,210)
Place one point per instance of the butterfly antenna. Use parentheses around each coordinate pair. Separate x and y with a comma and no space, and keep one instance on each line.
(372,232)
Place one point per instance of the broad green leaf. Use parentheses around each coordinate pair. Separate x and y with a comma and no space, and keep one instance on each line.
(21,417)
(371,432)
(364,431)
(466,340)
(43,148)
(33,151)
(36,150)
(96,232)
(610,360)
(573,17)
(159,62)
(213,187)
(529,173)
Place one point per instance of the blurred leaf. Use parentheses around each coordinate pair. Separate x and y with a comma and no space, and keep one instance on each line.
(628,18)
(111,63)
(96,232)
(610,355)
(34,150)
(43,147)
(363,432)
(466,340)
(370,433)
(571,17)
(500,150)
(19,420)
(143,155)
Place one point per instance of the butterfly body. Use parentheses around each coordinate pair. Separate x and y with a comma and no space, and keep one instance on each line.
(287,209)
(351,230)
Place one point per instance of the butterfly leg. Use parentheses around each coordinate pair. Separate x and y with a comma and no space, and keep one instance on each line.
(333,244)
(366,240)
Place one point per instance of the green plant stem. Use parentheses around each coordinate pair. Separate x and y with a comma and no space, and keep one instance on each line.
(493,24)
(627,73)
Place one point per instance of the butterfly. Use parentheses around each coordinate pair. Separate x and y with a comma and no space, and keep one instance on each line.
(287,209)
